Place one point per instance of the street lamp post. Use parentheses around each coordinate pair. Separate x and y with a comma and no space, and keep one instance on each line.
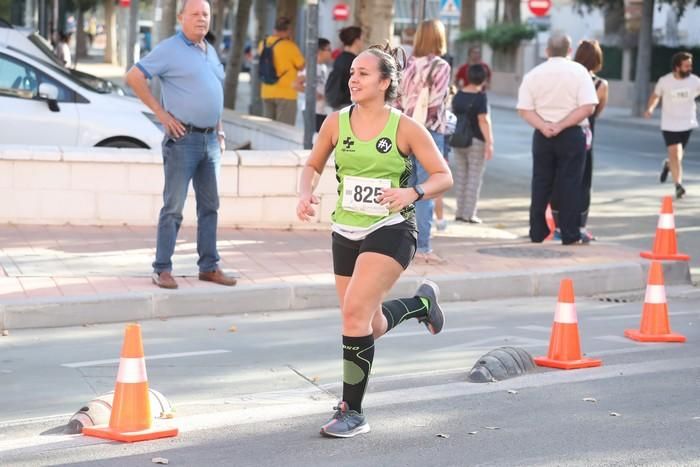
(310,87)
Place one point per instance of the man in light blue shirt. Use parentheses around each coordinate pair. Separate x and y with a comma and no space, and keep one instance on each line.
(191,77)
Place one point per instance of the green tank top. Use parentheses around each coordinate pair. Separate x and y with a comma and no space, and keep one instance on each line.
(363,168)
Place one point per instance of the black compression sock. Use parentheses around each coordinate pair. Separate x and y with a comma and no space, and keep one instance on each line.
(398,311)
(358,354)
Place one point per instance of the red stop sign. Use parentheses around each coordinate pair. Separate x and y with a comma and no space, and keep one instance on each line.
(539,7)
(341,12)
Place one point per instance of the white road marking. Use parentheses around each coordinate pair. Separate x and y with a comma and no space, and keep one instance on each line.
(618,339)
(536,328)
(638,315)
(444,331)
(151,357)
(496,340)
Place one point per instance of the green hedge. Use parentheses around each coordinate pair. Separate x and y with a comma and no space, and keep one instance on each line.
(499,36)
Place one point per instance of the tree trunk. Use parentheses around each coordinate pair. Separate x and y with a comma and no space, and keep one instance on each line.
(165,18)
(614,22)
(511,13)
(110,32)
(220,19)
(375,17)
(80,36)
(641,82)
(467,17)
(235,57)
(497,12)
(288,8)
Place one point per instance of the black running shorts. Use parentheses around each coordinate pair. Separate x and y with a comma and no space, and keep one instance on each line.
(395,241)
(676,137)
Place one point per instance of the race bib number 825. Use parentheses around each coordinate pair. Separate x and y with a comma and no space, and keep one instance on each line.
(360,193)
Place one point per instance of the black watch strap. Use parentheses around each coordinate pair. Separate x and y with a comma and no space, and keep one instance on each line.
(419,189)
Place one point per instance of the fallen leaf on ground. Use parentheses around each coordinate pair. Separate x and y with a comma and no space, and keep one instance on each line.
(167,415)
(590,399)
(492,428)
(159,460)
(614,414)
(512,391)
(5,332)
(315,379)
(233,329)
(442,435)
(472,432)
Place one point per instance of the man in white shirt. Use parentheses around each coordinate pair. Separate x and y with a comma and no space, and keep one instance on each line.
(556,98)
(677,91)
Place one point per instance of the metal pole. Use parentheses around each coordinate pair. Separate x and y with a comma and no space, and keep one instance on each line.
(133,40)
(310,87)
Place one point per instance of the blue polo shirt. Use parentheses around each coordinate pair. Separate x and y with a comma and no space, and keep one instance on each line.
(191,80)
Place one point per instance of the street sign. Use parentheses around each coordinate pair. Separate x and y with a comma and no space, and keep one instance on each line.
(341,12)
(450,8)
(539,7)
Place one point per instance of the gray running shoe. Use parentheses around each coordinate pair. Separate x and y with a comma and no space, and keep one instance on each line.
(436,318)
(345,423)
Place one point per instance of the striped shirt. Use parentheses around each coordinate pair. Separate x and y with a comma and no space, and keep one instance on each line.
(413,80)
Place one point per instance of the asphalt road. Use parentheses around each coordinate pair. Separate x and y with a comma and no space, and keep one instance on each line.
(257,396)
(626,189)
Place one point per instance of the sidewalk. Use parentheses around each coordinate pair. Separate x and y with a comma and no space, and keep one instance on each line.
(72,275)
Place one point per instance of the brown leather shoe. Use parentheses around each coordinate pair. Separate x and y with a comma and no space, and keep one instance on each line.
(164,280)
(218,277)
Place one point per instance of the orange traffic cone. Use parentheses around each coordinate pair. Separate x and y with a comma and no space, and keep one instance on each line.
(131,409)
(655,326)
(549,217)
(564,345)
(665,246)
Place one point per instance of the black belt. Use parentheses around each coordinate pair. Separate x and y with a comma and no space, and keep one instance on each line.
(196,129)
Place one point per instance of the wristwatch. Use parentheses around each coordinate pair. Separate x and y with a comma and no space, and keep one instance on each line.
(419,189)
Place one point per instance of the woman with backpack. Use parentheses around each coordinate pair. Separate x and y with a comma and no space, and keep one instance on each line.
(423,92)
(472,142)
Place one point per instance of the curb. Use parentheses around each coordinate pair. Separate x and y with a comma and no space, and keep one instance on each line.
(100,309)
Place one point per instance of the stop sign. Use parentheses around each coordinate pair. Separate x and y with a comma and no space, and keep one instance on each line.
(539,7)
(341,12)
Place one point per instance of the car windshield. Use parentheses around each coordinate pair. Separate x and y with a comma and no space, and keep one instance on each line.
(91,85)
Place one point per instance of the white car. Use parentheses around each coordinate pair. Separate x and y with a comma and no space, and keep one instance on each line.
(42,104)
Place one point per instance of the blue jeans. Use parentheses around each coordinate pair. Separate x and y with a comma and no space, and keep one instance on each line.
(196,157)
(424,208)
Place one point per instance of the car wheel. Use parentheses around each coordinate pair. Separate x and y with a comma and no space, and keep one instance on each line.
(122,143)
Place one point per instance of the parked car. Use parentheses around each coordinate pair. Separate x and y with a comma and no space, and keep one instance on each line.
(41,103)
(29,41)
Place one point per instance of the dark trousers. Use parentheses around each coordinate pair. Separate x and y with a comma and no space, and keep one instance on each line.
(586,184)
(557,167)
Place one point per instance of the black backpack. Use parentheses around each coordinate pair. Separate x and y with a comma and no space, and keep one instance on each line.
(266,64)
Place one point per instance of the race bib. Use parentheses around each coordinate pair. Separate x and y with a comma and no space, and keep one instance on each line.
(360,193)
(680,94)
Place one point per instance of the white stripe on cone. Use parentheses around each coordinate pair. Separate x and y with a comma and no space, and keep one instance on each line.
(666,222)
(565,313)
(655,294)
(132,370)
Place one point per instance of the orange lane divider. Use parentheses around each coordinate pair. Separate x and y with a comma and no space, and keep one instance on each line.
(665,244)
(655,326)
(564,345)
(131,419)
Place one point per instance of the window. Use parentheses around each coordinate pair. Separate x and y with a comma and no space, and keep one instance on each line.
(17,79)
